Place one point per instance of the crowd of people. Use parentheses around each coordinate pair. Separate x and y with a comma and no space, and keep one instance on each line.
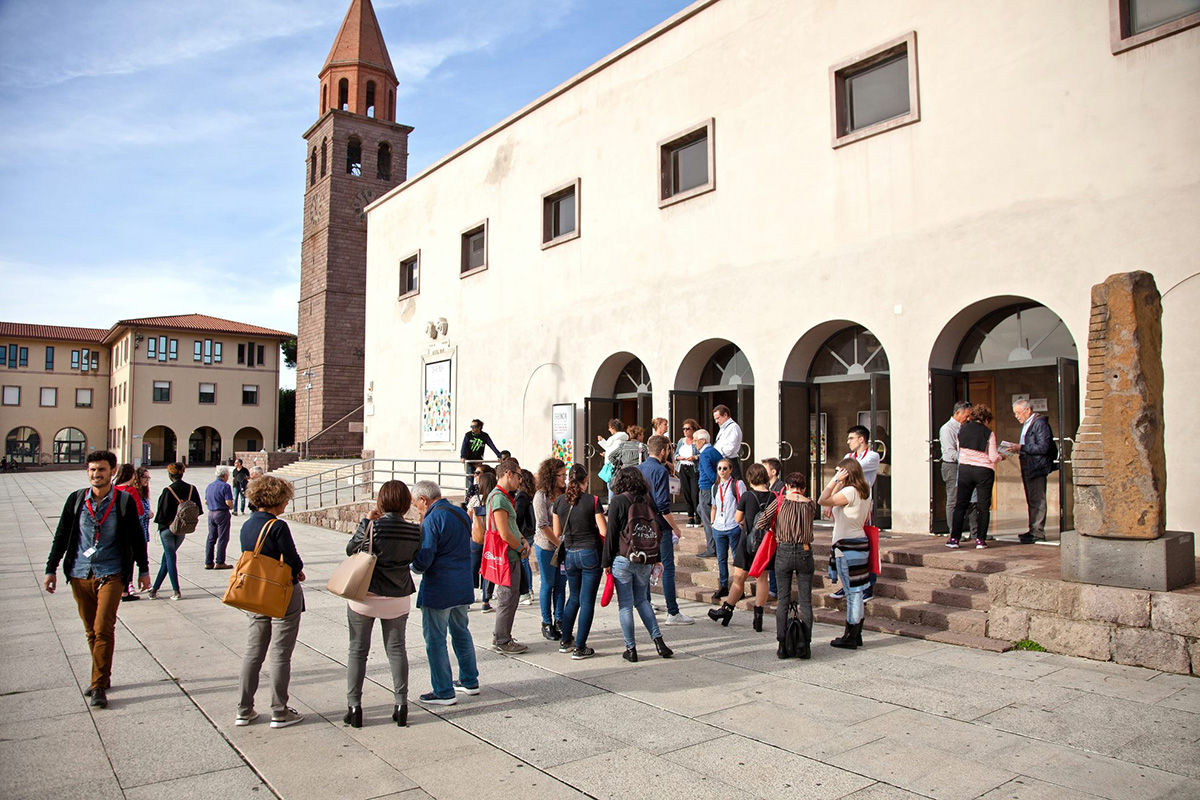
(578,539)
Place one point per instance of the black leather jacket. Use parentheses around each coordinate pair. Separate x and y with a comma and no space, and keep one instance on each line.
(396,542)
(1039,453)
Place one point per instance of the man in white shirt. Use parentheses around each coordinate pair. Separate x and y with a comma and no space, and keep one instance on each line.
(729,438)
(948,436)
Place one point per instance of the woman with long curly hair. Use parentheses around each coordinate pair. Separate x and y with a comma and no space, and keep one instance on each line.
(551,483)
(849,495)
(579,524)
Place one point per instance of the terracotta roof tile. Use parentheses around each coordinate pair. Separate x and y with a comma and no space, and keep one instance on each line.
(202,323)
(359,40)
(57,332)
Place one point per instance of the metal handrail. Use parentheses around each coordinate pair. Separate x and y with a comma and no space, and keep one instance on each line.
(359,481)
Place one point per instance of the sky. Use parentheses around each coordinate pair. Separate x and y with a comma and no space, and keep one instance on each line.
(151,160)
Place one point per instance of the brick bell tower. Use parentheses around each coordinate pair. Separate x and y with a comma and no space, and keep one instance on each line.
(356,153)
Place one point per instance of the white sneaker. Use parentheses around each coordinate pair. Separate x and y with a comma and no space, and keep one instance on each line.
(528,601)
(679,619)
(246,718)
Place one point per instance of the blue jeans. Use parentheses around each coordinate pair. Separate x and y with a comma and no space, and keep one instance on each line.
(854,595)
(476,563)
(725,542)
(666,554)
(168,565)
(434,623)
(583,576)
(239,500)
(633,591)
(553,593)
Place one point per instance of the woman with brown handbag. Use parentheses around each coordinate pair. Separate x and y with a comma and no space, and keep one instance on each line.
(394,541)
(270,496)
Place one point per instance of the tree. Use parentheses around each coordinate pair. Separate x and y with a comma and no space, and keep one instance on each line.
(287,416)
(288,346)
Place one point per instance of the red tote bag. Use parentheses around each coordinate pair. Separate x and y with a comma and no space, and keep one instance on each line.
(495,556)
(768,546)
(873,537)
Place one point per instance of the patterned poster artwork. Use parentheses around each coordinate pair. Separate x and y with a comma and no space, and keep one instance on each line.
(435,409)
(563,431)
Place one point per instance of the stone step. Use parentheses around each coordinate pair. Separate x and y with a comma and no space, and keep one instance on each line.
(934,576)
(915,631)
(910,590)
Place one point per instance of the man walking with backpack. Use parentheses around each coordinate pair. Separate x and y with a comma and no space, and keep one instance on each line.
(659,495)
(98,540)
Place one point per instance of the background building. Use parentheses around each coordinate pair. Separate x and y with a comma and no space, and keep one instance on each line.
(192,387)
(816,213)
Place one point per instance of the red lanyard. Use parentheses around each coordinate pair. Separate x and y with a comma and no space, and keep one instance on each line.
(100,525)
(721,492)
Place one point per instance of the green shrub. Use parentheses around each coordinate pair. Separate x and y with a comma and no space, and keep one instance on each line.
(1028,644)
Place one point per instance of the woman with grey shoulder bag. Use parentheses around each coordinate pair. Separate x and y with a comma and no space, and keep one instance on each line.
(394,541)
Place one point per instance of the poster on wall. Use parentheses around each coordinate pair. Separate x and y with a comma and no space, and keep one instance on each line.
(435,408)
(814,455)
(563,432)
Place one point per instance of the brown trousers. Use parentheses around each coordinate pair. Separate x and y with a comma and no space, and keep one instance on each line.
(98,600)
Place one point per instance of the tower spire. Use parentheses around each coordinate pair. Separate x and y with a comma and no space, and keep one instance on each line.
(358,76)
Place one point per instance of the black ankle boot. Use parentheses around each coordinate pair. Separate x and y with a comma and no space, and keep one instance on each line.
(549,634)
(758,614)
(721,592)
(353,717)
(631,655)
(663,650)
(779,651)
(400,716)
(557,629)
(858,634)
(722,614)
(846,641)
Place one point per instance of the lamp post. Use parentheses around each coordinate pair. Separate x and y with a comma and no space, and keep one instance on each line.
(309,375)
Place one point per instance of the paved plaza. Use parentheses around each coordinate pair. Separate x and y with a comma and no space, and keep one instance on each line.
(902,718)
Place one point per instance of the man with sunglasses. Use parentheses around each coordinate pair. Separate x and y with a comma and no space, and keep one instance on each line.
(471,452)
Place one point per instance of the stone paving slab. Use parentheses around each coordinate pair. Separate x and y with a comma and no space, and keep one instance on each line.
(897,720)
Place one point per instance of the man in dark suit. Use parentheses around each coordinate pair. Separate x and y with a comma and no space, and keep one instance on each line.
(1039,457)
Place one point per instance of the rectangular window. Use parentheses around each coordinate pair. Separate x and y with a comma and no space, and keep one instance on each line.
(875,91)
(162,392)
(410,275)
(3,356)
(216,352)
(83,398)
(474,249)
(12,395)
(241,354)
(250,354)
(197,351)
(49,397)
(162,348)
(152,348)
(12,356)
(208,393)
(24,356)
(95,361)
(174,349)
(261,355)
(74,359)
(208,351)
(87,360)
(560,215)
(249,395)
(1133,23)
(686,166)
(49,358)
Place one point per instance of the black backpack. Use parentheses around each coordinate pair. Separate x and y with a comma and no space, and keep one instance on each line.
(795,635)
(640,537)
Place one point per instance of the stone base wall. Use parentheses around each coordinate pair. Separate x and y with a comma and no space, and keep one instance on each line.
(336,518)
(1159,630)
(268,461)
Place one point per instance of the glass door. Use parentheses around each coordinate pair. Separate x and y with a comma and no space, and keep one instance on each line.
(1068,424)
(881,442)
(946,387)
(799,415)
(689,405)
(744,416)
(597,411)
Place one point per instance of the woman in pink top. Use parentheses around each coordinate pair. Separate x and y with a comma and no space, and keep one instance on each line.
(977,457)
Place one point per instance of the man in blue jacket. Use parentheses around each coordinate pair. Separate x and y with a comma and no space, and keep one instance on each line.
(446,592)
(659,482)
(710,456)
(1039,456)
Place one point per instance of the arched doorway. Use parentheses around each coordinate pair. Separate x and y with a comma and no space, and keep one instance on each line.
(204,446)
(248,439)
(715,372)
(622,389)
(836,377)
(159,446)
(70,446)
(23,445)
(995,352)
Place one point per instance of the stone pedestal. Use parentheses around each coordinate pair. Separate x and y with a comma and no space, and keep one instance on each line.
(1157,565)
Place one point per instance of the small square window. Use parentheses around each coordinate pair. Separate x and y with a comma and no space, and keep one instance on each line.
(83,398)
(474,250)
(49,397)
(249,395)
(875,91)
(208,394)
(560,215)
(12,395)
(410,275)
(162,392)
(1133,23)
(686,164)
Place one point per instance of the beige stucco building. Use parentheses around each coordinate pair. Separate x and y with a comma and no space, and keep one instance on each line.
(190,387)
(816,213)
